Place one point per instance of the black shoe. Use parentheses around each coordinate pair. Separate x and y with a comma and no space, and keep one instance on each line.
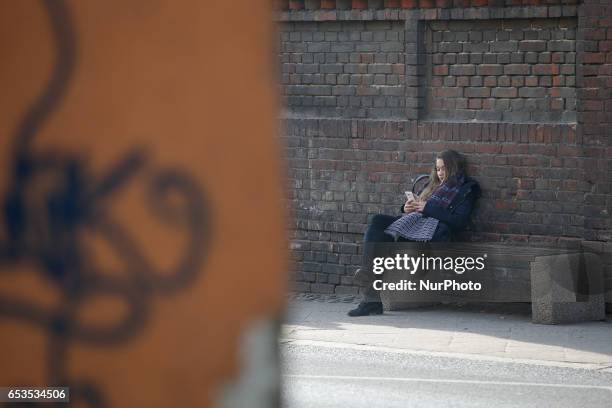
(366,309)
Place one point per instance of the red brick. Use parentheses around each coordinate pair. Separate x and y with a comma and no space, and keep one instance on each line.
(444,3)
(605,46)
(366,58)
(593,57)
(475,104)
(528,172)
(595,34)
(296,4)
(323,164)
(490,69)
(487,148)
(540,134)
(440,70)
(360,4)
(328,4)
(507,92)
(557,57)
(531,81)
(590,70)
(556,104)
(590,105)
(605,70)
(558,81)
(516,69)
(393,3)
(512,148)
(490,81)
(546,69)
(525,184)
(504,205)
(410,3)
(569,151)
(592,82)
(463,81)
(426,3)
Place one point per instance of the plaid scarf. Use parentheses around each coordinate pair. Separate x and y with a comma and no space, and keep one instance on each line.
(446,192)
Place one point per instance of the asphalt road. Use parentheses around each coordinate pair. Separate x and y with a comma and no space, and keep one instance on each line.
(317,376)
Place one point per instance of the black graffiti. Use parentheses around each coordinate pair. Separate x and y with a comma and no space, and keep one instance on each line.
(54,198)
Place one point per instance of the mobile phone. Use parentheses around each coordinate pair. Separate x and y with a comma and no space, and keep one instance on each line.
(410,196)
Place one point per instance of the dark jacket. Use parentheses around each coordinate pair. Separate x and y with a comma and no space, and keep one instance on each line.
(456,216)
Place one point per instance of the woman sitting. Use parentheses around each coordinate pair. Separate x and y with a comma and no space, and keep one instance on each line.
(442,209)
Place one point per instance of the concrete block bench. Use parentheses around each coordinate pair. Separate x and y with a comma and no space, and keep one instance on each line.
(567,288)
(562,285)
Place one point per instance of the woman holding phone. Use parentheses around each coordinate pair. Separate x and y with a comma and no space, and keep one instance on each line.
(442,209)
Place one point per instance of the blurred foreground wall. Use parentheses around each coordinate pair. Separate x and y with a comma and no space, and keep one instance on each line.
(142,230)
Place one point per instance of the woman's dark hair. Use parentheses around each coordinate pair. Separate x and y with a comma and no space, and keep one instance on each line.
(454,164)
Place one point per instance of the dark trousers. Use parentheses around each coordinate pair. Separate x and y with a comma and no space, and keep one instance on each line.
(375,233)
(376,229)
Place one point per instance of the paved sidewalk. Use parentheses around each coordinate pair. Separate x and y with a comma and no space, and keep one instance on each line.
(482,332)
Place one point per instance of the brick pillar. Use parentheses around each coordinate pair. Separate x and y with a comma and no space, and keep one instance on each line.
(595,114)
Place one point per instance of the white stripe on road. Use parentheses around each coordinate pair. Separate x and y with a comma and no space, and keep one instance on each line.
(437,381)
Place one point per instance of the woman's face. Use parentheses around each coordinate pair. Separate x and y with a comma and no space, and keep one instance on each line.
(441,170)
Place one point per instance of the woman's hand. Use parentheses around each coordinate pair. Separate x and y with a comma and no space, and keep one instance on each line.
(414,206)
(408,207)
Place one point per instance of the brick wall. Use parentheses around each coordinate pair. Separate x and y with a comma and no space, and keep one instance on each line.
(537,134)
